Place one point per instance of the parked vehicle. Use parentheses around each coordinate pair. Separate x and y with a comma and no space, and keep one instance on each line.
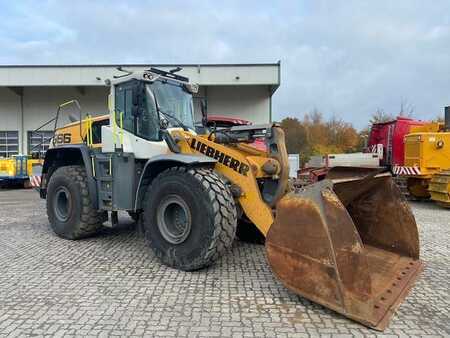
(390,136)
(17,169)
(224,122)
(349,243)
(385,149)
(427,162)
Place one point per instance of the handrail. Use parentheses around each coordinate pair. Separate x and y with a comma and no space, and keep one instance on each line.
(90,129)
(114,125)
(42,126)
(121,129)
(88,126)
(39,144)
(62,105)
(55,119)
(36,131)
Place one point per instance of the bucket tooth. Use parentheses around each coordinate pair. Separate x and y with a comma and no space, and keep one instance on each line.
(358,259)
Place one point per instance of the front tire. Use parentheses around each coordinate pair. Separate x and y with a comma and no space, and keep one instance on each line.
(69,206)
(189,217)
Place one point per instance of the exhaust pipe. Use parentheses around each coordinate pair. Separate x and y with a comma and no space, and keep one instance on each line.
(447,118)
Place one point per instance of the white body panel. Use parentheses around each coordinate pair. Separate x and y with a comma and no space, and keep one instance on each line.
(141,148)
(353,160)
(294,164)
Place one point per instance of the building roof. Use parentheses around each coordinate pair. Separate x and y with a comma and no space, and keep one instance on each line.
(94,75)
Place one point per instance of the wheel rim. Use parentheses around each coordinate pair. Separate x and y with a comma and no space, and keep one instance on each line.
(174,219)
(62,203)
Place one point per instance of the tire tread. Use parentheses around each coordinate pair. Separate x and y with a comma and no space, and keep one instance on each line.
(90,219)
(223,210)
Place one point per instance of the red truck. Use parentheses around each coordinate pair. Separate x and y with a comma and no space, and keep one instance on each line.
(385,142)
(391,136)
(220,122)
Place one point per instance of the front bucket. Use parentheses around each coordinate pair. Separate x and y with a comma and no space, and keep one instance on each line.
(351,245)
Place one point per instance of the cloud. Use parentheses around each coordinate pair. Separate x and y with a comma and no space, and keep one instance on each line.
(346,58)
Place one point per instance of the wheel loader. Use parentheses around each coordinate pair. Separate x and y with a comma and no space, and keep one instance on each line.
(349,242)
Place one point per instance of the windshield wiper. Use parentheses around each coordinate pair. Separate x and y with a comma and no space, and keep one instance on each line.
(180,124)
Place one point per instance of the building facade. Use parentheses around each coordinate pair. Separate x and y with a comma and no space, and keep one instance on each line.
(29,95)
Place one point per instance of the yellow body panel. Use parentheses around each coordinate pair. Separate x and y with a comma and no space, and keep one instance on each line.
(72,134)
(430,153)
(32,163)
(7,167)
(432,127)
(251,200)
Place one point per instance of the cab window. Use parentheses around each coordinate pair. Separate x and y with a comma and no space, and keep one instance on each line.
(144,122)
(124,102)
(97,130)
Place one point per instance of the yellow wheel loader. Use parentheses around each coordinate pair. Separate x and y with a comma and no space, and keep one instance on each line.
(349,242)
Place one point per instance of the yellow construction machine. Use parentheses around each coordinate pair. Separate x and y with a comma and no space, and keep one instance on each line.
(427,162)
(17,170)
(349,242)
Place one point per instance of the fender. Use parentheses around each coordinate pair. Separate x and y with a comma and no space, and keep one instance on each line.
(159,163)
(64,155)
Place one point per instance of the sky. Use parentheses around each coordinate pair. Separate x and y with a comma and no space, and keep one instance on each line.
(346,59)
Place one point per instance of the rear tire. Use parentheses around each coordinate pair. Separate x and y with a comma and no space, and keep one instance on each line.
(189,217)
(69,206)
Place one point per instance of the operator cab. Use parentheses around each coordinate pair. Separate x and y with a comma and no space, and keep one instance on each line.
(143,105)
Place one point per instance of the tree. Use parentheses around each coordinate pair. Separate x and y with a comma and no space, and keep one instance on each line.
(363,138)
(406,108)
(313,135)
(381,116)
(342,135)
(296,135)
(316,129)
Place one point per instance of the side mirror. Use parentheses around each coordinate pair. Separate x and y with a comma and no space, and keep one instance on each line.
(163,124)
(191,88)
(204,109)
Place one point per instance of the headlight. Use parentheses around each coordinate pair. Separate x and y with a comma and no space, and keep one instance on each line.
(191,88)
(271,167)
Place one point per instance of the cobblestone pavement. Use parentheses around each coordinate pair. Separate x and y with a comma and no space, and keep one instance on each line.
(112,285)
